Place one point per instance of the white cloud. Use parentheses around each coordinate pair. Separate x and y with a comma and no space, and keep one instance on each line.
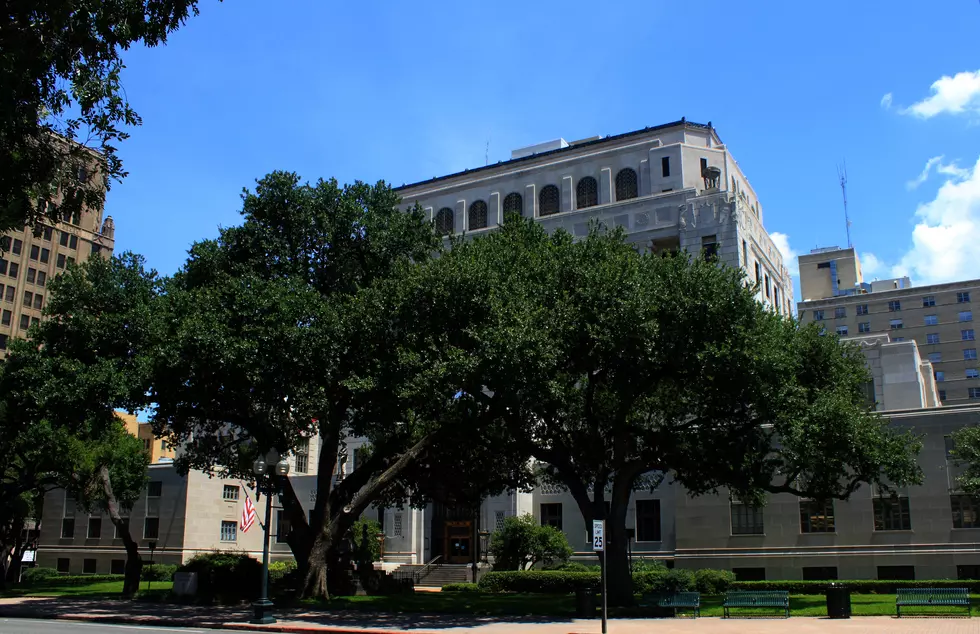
(947,231)
(871,265)
(781,240)
(955,95)
(886,101)
(921,178)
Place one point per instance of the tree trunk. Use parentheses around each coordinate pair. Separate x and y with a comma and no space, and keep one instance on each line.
(314,570)
(134,562)
(619,581)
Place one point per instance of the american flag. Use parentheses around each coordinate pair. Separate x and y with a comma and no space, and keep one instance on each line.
(248,514)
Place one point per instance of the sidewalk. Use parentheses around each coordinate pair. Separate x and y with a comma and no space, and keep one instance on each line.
(298,620)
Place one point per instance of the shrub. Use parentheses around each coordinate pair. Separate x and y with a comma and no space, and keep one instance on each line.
(225,576)
(572,566)
(35,575)
(544,581)
(278,570)
(522,543)
(461,587)
(158,572)
(710,581)
(858,586)
(647,565)
(370,552)
(663,580)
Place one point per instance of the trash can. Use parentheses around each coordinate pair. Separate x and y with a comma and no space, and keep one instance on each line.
(585,603)
(838,601)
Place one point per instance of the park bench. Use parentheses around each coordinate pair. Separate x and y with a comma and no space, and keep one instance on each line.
(925,597)
(673,600)
(760,599)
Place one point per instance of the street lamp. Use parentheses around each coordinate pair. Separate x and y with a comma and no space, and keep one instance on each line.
(269,465)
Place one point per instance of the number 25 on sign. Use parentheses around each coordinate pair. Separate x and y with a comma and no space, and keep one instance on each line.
(598,535)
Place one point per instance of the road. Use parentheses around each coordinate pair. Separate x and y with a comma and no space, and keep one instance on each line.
(38,626)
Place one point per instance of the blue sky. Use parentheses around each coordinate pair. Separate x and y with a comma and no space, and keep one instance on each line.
(407,91)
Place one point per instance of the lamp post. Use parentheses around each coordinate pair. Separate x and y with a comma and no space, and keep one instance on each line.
(149,577)
(269,465)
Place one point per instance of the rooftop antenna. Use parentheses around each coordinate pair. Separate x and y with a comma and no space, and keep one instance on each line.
(486,156)
(842,177)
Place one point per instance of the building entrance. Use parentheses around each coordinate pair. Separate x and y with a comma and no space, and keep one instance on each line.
(459,543)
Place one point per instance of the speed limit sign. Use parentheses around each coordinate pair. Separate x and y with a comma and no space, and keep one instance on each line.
(598,535)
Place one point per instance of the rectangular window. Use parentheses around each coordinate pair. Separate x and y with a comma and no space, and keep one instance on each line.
(63,241)
(840,312)
(972,373)
(891,510)
(45,255)
(704,165)
(749,574)
(71,260)
(969,354)
(963,297)
(151,528)
(968,572)
(28,298)
(816,516)
(94,528)
(767,284)
(64,565)
(115,529)
(897,339)
(35,321)
(3,342)
(230,493)
(967,335)
(864,326)
(551,515)
(648,520)
(973,392)
(758,278)
(894,305)
(11,291)
(14,270)
(931,320)
(823,265)
(498,520)
(745,253)
(88,566)
(942,395)
(117,567)
(42,277)
(861,309)
(966,511)
(935,357)
(61,261)
(709,247)
(229,531)
(25,322)
(48,231)
(940,376)
(895,324)
(73,242)
(38,301)
(31,274)
(665,166)
(928,300)
(5,320)
(820,573)
(966,315)
(896,573)
(18,246)
(68,528)
(397,525)
(932,338)
(303,456)
(3,266)
(842,331)
(818,315)
(282,527)
(746,519)
(154,489)
(35,252)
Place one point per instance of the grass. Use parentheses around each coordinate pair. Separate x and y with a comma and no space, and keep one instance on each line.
(100,588)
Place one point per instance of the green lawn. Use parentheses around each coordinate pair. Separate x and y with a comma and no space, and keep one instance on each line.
(103,588)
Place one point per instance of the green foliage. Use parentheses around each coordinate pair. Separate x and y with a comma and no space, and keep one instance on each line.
(664,580)
(966,452)
(647,565)
(572,566)
(60,68)
(710,581)
(279,570)
(366,552)
(660,579)
(461,587)
(543,581)
(857,586)
(225,576)
(522,543)
(76,580)
(36,575)
(158,572)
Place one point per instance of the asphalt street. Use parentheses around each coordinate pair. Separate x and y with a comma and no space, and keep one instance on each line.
(38,626)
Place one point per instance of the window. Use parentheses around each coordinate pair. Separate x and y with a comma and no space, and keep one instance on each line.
(942,395)
(498,520)
(895,324)
(968,571)
(932,338)
(549,200)
(896,573)
(966,315)
(891,510)
(229,531)
(514,204)
(963,297)
(864,326)
(14,269)
(840,312)
(841,331)
(665,166)
(88,566)
(115,529)
(935,357)
(45,255)
(551,515)
(861,309)
(928,300)
(648,520)
(42,277)
(746,519)
(94,527)
(25,322)
(816,516)
(972,373)
(303,456)
(282,527)
(931,320)
(63,241)
(894,305)
(3,342)
(48,232)
(969,354)
(396,529)
(38,301)
(940,376)
(709,251)
(5,320)
(758,276)
(154,489)
(31,274)
(897,339)
(18,246)
(151,528)
(973,392)
(586,193)
(745,253)
(967,335)
(28,298)
(71,260)
(766,276)
(35,321)
(230,493)
(817,315)
(35,252)
(966,511)
(820,573)
(117,567)
(61,261)
(3,267)
(10,294)
(478,215)
(73,242)
(749,574)
(68,528)
(626,187)
(63,565)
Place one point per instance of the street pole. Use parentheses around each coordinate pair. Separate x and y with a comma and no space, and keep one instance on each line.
(603,591)
(599,545)
(263,607)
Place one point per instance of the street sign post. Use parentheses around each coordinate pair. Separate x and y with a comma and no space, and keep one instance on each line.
(599,545)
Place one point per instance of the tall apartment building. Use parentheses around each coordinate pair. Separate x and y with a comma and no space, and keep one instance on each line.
(671,187)
(938,317)
(32,257)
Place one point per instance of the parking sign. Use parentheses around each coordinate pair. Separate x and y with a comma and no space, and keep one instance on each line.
(598,535)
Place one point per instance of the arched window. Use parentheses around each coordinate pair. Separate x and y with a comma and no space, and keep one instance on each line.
(513,204)
(549,200)
(444,221)
(586,193)
(626,185)
(478,215)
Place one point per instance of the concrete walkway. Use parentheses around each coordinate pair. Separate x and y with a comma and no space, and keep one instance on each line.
(298,620)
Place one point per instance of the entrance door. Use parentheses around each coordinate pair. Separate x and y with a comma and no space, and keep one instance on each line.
(459,542)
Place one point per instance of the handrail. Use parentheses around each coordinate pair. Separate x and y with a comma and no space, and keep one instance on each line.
(426,569)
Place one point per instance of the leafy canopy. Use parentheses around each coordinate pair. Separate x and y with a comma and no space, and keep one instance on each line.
(522,543)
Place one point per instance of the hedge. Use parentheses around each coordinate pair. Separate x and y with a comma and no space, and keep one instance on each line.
(461,587)
(158,572)
(39,575)
(75,580)
(225,576)
(857,586)
(561,581)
